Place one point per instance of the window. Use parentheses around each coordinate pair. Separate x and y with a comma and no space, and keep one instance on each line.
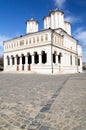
(37,39)
(33,40)
(21,43)
(26,41)
(41,38)
(30,41)
(46,37)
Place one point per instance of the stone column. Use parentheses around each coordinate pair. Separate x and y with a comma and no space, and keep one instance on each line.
(32,59)
(40,59)
(62,62)
(26,63)
(49,57)
(56,59)
(15,62)
(10,61)
(20,66)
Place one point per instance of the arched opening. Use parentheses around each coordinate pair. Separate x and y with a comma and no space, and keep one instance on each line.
(18,62)
(23,61)
(8,60)
(29,61)
(36,58)
(78,62)
(13,60)
(29,58)
(54,57)
(44,57)
(59,58)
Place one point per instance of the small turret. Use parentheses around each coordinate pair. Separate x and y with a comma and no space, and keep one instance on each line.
(67,27)
(54,20)
(31,26)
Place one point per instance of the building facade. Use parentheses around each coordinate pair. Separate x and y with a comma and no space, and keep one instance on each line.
(51,50)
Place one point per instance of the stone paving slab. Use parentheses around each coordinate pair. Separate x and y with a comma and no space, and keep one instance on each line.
(42,102)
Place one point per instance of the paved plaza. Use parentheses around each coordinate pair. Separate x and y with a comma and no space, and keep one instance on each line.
(42,102)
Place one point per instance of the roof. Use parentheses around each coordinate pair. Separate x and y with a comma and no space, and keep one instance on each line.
(32,19)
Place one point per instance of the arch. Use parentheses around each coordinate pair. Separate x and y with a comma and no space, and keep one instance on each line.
(44,57)
(59,57)
(8,60)
(23,59)
(18,59)
(36,58)
(29,58)
(54,57)
(13,62)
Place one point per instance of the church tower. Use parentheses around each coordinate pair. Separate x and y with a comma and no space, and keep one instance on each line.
(55,20)
(31,26)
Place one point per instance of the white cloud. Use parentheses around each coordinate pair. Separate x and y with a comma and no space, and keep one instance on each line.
(73,19)
(59,3)
(3,38)
(80,34)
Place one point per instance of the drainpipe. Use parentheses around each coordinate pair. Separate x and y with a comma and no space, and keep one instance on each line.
(52,31)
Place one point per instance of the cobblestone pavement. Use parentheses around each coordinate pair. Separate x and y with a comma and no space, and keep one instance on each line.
(42,102)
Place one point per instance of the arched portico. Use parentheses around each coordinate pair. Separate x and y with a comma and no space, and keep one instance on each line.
(44,57)
(36,58)
(29,61)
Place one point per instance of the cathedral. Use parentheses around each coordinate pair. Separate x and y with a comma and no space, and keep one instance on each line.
(52,50)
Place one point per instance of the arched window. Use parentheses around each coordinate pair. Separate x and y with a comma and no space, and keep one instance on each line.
(36,58)
(46,37)
(37,39)
(41,38)
(44,57)
(33,39)
(29,40)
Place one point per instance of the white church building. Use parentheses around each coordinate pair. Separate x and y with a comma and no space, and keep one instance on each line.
(51,50)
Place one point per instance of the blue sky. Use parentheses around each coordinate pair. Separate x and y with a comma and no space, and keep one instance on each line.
(14,13)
